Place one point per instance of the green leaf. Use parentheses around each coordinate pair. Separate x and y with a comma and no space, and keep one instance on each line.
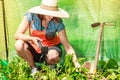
(111,64)
(101,64)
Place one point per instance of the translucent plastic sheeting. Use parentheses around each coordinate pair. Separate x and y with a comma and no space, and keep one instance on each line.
(14,12)
(84,38)
(78,27)
(2,43)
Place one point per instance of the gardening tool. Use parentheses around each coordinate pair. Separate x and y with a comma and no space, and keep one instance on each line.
(93,68)
(44,51)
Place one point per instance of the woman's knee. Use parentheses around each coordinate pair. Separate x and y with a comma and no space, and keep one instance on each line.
(19,45)
(53,57)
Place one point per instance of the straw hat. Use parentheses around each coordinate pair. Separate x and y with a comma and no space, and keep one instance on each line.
(49,7)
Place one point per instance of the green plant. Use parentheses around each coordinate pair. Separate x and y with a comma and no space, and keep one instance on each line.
(18,69)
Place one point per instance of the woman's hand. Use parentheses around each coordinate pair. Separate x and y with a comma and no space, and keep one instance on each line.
(77,64)
(35,39)
(75,61)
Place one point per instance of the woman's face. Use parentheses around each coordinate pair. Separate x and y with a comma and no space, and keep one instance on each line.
(48,18)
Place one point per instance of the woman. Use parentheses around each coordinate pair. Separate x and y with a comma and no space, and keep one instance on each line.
(43,22)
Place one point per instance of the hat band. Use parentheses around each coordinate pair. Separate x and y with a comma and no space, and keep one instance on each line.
(53,8)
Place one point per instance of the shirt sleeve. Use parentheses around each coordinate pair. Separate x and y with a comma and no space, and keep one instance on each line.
(61,26)
(29,17)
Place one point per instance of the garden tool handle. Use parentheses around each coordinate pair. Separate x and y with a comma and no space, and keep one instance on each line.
(98,46)
(44,51)
(39,43)
(109,23)
(94,67)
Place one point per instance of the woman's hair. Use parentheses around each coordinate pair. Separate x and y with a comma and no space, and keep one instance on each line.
(55,19)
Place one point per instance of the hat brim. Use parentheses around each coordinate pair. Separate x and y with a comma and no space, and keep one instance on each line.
(60,13)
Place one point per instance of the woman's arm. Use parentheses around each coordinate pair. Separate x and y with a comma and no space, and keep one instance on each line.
(20,33)
(68,47)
